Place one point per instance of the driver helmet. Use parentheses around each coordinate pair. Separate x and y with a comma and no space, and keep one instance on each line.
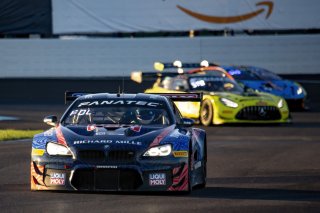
(145,116)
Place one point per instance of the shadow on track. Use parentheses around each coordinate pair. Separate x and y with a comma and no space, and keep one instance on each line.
(256,194)
(219,193)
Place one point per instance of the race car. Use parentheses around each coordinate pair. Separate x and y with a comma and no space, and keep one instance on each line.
(120,142)
(266,81)
(224,100)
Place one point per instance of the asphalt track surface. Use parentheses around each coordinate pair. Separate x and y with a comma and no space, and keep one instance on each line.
(265,168)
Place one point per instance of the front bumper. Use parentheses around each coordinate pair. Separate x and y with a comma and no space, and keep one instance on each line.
(149,176)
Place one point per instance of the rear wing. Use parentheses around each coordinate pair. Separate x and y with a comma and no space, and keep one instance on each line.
(183,97)
(191,97)
(160,66)
(71,96)
(139,76)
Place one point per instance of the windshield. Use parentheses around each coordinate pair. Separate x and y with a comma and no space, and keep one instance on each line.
(265,74)
(122,112)
(252,74)
(243,75)
(214,84)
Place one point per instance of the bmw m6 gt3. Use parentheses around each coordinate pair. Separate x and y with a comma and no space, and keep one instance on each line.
(120,142)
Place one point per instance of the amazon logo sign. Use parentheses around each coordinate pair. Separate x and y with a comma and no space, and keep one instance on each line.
(262,7)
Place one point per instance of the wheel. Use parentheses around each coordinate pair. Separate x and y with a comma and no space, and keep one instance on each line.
(206,112)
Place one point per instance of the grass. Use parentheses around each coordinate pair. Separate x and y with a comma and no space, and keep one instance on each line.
(11,134)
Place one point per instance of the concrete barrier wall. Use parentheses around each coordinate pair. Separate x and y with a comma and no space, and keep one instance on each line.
(294,54)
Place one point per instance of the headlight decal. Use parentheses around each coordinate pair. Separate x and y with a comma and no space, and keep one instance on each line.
(229,103)
(159,151)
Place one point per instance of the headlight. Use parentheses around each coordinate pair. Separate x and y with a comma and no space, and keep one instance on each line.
(57,149)
(229,103)
(280,103)
(163,150)
(299,91)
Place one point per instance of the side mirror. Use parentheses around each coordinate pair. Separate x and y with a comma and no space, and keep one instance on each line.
(187,122)
(51,120)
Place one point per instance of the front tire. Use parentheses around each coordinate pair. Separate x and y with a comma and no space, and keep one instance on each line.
(206,113)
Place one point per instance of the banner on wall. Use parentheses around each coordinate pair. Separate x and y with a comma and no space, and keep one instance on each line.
(25,17)
(101,16)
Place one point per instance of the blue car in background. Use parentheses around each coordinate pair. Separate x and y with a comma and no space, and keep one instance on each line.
(266,81)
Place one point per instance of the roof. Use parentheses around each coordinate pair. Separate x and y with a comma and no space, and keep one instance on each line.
(139,96)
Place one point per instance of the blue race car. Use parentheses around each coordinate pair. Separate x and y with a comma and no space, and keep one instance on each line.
(266,81)
(120,142)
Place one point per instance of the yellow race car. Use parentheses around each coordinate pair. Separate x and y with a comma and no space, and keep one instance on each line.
(224,100)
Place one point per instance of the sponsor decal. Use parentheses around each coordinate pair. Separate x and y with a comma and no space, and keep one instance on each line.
(91,127)
(57,178)
(38,152)
(157,179)
(231,19)
(180,154)
(135,128)
(101,133)
(118,102)
(80,112)
(137,143)
(129,142)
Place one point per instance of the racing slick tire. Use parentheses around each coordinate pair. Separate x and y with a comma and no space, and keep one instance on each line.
(206,113)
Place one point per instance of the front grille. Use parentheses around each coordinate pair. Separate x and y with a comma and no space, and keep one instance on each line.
(121,156)
(92,156)
(112,156)
(106,179)
(259,113)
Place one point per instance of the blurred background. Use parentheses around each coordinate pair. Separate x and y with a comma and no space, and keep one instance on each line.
(50,46)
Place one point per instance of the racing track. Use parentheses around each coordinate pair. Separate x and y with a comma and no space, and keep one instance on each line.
(250,169)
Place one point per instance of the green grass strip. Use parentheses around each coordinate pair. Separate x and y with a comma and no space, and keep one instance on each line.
(11,134)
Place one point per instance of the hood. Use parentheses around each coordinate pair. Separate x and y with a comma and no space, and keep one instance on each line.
(247,96)
(283,88)
(116,136)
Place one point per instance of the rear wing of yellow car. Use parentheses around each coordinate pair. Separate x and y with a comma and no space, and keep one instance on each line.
(188,97)
(139,76)
(160,66)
